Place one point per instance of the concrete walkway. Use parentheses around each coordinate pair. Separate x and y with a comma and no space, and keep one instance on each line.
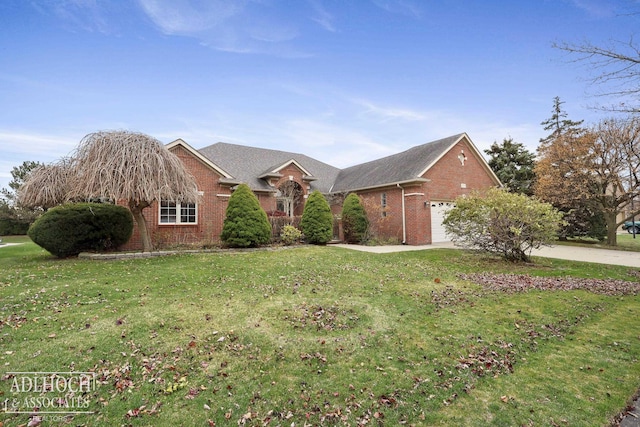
(572,253)
(3,245)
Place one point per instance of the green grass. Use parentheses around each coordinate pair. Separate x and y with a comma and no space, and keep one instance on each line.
(625,241)
(319,335)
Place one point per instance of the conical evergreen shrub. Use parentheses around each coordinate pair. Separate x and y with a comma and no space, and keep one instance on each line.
(354,219)
(246,223)
(317,220)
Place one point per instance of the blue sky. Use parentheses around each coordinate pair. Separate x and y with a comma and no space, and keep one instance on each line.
(342,81)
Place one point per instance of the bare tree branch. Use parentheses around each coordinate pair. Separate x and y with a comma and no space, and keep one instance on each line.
(46,186)
(617,70)
(130,166)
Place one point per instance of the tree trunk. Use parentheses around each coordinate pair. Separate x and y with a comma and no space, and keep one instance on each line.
(612,225)
(136,211)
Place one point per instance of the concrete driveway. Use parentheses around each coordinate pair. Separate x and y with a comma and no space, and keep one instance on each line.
(572,253)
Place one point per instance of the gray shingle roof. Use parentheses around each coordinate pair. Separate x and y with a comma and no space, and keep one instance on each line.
(247,164)
(400,167)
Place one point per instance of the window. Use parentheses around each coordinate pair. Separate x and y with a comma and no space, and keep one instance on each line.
(285,204)
(383,204)
(178,213)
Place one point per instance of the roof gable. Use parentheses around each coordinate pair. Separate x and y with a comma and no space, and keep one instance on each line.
(252,164)
(180,142)
(464,137)
(275,171)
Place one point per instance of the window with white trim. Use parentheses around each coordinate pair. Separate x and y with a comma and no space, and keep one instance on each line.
(178,213)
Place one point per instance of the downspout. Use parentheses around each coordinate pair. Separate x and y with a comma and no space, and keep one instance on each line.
(404,219)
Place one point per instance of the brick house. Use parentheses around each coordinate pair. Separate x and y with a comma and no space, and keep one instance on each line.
(406,194)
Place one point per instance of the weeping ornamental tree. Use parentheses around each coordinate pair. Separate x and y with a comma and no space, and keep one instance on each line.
(117,165)
(46,186)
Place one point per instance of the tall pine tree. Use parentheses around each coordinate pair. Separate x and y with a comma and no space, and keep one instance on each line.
(564,176)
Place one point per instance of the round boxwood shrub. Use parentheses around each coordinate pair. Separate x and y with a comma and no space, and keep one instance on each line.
(354,219)
(317,220)
(290,235)
(246,223)
(70,229)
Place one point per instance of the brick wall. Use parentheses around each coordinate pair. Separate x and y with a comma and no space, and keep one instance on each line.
(387,222)
(449,178)
(211,210)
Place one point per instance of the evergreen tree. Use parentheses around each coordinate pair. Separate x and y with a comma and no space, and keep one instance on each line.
(559,124)
(563,176)
(15,219)
(19,175)
(317,220)
(513,165)
(246,223)
(354,219)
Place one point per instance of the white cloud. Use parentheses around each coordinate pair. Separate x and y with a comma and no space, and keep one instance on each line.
(390,113)
(596,8)
(322,17)
(103,16)
(188,17)
(239,26)
(40,147)
(18,147)
(402,7)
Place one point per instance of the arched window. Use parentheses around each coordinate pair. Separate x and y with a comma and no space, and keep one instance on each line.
(289,197)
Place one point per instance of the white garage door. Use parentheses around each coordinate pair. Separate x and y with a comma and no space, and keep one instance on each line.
(438,209)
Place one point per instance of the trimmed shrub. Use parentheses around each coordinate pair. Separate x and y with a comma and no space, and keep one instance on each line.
(317,220)
(507,224)
(354,219)
(246,223)
(279,222)
(12,226)
(290,235)
(70,229)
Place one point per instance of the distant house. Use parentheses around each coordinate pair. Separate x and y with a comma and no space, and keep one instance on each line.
(406,193)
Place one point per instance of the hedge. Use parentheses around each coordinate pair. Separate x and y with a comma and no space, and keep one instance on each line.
(67,230)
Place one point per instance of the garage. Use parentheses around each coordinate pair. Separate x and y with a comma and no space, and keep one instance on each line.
(438,210)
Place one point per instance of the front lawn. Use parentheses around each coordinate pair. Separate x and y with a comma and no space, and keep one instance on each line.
(321,336)
(625,241)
